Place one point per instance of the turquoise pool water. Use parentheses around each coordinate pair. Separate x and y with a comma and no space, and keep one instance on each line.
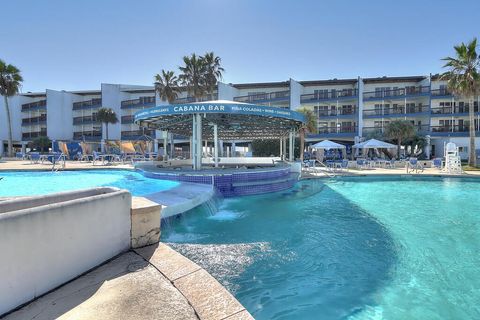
(353,248)
(22,183)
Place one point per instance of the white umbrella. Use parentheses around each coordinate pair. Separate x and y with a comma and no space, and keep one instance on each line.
(327,145)
(374,144)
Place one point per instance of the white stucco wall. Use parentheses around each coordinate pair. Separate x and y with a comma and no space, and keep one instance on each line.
(15,106)
(46,241)
(296,90)
(59,111)
(226,91)
(112,97)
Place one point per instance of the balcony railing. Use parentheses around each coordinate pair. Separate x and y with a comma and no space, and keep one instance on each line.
(278,95)
(451,128)
(336,112)
(38,105)
(419,128)
(137,103)
(394,93)
(87,135)
(337,129)
(395,110)
(127,119)
(453,109)
(136,133)
(93,103)
(34,120)
(329,95)
(36,134)
(85,120)
(207,97)
(441,92)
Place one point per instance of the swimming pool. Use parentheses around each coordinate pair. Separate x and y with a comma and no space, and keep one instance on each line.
(27,183)
(350,248)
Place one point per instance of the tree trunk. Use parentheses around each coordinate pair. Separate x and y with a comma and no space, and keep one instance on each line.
(302,143)
(472,157)
(106,130)
(9,121)
(399,147)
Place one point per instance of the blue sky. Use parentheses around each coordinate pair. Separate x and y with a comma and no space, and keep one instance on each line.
(75,45)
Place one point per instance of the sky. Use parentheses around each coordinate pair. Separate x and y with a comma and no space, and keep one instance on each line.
(77,45)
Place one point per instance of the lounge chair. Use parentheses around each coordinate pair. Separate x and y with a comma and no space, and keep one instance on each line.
(414,165)
(34,157)
(437,163)
(390,164)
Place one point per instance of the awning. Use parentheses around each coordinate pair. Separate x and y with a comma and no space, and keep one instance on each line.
(327,145)
(374,144)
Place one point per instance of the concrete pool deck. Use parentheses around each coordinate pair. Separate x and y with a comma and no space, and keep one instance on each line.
(153,282)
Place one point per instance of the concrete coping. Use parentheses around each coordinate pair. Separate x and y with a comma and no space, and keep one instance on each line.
(56,199)
(206,295)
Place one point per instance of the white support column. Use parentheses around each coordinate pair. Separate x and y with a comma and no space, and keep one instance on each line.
(222,153)
(155,145)
(215,144)
(284,143)
(281,148)
(165,145)
(294,134)
(193,150)
(2,151)
(290,146)
(172,146)
(199,142)
(102,146)
(233,149)
(24,147)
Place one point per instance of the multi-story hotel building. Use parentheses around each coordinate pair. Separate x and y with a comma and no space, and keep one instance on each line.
(347,110)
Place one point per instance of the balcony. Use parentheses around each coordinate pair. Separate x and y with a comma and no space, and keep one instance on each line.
(141,102)
(397,93)
(127,119)
(423,129)
(453,130)
(34,120)
(264,97)
(85,120)
(455,110)
(88,135)
(441,93)
(345,94)
(35,106)
(90,104)
(396,111)
(207,97)
(135,134)
(35,134)
(335,132)
(341,112)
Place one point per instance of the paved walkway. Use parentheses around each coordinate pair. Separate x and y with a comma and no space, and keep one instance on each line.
(153,282)
(70,165)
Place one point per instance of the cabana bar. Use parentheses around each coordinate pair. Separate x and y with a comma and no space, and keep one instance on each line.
(226,121)
(223,120)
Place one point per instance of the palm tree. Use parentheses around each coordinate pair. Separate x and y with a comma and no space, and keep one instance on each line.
(106,116)
(214,71)
(10,82)
(463,79)
(309,126)
(166,85)
(399,130)
(194,75)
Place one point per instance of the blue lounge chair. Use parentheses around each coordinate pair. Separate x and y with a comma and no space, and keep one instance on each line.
(414,165)
(437,163)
